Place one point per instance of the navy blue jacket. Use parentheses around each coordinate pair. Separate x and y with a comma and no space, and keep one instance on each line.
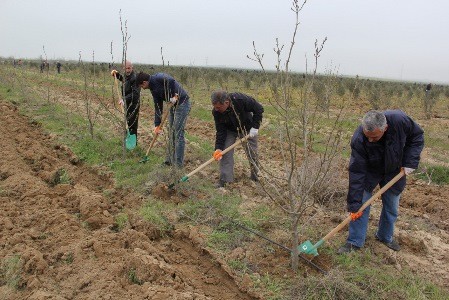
(243,114)
(377,163)
(163,87)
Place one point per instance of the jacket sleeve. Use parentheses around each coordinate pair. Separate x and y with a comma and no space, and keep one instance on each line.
(119,76)
(158,111)
(256,108)
(357,174)
(172,89)
(135,92)
(158,98)
(220,135)
(413,145)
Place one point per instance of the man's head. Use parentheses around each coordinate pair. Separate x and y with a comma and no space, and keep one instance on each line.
(374,125)
(128,67)
(220,100)
(142,80)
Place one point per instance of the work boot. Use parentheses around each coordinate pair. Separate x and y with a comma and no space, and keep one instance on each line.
(347,248)
(220,184)
(393,245)
(166,164)
(254,177)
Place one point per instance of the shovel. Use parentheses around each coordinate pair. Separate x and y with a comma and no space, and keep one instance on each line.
(131,139)
(186,177)
(308,248)
(164,117)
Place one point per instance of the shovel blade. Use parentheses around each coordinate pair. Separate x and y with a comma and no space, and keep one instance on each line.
(131,141)
(308,248)
(144,159)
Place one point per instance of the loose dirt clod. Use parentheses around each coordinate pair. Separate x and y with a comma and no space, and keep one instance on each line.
(162,191)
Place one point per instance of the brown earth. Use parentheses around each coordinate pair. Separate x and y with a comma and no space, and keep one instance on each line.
(66,238)
(70,248)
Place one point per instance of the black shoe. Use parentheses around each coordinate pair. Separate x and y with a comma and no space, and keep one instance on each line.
(347,248)
(393,245)
(166,164)
(220,184)
(254,177)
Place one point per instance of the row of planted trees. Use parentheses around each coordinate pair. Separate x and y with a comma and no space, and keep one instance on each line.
(377,94)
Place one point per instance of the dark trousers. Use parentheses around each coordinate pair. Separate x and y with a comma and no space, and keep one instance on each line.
(132,115)
(227,162)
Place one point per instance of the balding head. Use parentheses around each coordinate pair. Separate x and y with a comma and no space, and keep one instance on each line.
(128,67)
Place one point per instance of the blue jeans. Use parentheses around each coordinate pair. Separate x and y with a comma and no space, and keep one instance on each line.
(177,120)
(388,216)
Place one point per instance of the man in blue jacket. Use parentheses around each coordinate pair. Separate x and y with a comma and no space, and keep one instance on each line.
(165,88)
(384,143)
(235,115)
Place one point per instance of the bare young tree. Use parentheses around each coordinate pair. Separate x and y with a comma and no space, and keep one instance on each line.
(162,56)
(91,110)
(125,39)
(307,140)
(45,66)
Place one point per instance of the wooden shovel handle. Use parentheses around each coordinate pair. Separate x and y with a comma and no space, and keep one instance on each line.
(241,140)
(365,205)
(164,117)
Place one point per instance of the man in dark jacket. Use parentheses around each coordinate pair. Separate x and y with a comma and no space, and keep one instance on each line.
(58,67)
(131,92)
(384,143)
(163,87)
(235,115)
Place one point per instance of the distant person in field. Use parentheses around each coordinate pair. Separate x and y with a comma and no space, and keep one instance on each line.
(384,143)
(131,94)
(58,67)
(235,115)
(428,87)
(165,88)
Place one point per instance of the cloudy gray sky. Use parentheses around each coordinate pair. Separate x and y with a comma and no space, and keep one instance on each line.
(400,39)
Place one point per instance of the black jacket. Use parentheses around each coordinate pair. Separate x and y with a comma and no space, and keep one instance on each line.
(377,163)
(243,113)
(130,91)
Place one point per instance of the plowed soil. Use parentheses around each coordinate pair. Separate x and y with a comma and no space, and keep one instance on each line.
(64,232)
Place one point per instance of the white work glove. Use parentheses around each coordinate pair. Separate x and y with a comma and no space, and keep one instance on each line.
(408,171)
(120,101)
(114,73)
(174,99)
(253,132)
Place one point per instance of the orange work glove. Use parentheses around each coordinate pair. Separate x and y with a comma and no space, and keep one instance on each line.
(157,129)
(356,215)
(217,155)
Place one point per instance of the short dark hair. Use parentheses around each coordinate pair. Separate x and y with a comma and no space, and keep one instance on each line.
(219,97)
(141,77)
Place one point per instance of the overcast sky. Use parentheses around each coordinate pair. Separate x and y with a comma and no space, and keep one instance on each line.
(394,39)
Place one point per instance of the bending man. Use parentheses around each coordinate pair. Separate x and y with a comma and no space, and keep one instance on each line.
(235,115)
(163,87)
(383,144)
